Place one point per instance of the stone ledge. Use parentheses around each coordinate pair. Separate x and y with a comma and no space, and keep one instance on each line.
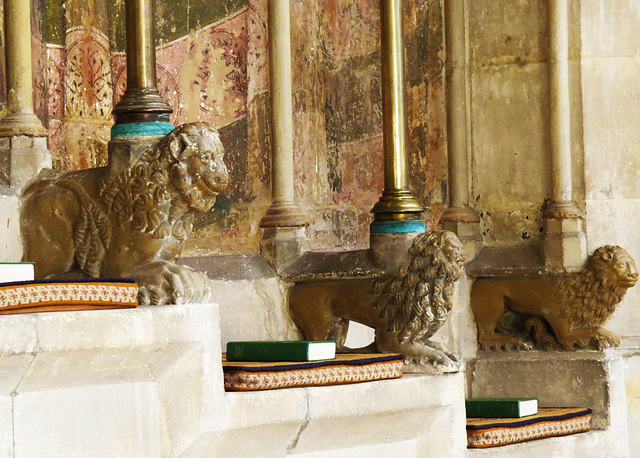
(149,382)
(417,416)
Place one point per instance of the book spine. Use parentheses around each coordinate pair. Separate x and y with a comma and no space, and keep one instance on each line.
(265,351)
(488,409)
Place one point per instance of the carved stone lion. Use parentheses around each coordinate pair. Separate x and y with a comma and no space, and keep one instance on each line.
(405,310)
(134,224)
(574,306)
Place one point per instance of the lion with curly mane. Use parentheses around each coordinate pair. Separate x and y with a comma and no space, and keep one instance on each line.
(572,306)
(405,310)
(130,224)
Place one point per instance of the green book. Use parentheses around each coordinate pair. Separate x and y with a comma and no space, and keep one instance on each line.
(296,350)
(501,407)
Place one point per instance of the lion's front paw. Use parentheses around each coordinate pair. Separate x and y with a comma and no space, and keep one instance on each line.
(605,339)
(164,282)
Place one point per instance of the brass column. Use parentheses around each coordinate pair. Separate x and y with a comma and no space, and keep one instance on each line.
(141,102)
(397,202)
(17,38)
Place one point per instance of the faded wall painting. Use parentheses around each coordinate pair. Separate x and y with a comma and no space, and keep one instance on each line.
(212,58)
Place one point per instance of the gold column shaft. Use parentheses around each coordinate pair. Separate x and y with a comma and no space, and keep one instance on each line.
(397,202)
(141,102)
(19,75)
(141,52)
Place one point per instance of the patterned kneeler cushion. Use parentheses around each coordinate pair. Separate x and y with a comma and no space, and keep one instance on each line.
(62,295)
(549,422)
(350,368)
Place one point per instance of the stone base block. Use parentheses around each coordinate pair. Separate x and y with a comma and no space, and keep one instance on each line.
(10,241)
(281,246)
(390,251)
(564,245)
(140,382)
(559,379)
(414,416)
(125,151)
(21,159)
(469,235)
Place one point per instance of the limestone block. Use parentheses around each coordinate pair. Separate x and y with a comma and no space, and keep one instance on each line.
(253,310)
(6,427)
(510,135)
(503,28)
(387,411)
(469,235)
(10,242)
(580,379)
(95,420)
(609,27)
(565,244)
(511,160)
(615,222)
(24,341)
(458,334)
(21,159)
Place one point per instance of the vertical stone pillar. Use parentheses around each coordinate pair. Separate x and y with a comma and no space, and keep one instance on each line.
(564,244)
(142,115)
(23,139)
(284,224)
(459,217)
(397,215)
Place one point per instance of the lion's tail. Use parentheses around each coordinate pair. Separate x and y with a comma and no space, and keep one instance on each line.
(544,339)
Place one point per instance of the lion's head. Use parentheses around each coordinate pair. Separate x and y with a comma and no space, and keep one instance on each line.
(182,174)
(416,302)
(613,265)
(590,296)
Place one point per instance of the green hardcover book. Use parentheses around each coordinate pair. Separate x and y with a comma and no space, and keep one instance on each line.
(296,350)
(501,407)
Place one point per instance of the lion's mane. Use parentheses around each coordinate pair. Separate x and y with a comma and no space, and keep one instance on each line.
(589,297)
(154,194)
(417,301)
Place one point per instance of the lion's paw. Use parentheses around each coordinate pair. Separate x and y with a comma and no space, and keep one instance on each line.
(164,282)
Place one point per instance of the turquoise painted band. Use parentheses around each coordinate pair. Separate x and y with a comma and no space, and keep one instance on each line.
(141,129)
(397,227)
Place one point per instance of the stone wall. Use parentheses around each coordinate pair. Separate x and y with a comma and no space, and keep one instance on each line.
(611,106)
(510,118)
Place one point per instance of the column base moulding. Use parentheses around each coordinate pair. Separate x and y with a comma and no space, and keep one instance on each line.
(26,124)
(282,215)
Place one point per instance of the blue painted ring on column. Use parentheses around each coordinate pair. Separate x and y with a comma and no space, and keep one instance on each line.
(397,227)
(141,129)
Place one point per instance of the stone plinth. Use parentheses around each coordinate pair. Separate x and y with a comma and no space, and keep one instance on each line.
(564,244)
(559,379)
(21,158)
(140,382)
(148,382)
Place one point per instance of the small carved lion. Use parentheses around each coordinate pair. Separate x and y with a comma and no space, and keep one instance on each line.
(134,224)
(574,306)
(405,310)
